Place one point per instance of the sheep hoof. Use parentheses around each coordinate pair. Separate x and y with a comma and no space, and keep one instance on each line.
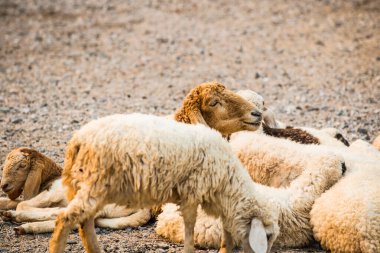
(6,215)
(19,231)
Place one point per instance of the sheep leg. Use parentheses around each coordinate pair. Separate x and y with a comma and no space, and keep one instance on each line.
(40,214)
(189,217)
(139,218)
(42,200)
(8,204)
(88,236)
(227,242)
(61,232)
(80,210)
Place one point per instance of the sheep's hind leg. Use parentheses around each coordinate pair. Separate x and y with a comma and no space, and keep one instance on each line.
(189,214)
(81,210)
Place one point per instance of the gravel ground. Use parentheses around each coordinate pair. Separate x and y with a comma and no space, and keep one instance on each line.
(63,63)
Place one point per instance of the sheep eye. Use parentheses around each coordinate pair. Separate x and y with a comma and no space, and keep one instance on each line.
(22,165)
(214,103)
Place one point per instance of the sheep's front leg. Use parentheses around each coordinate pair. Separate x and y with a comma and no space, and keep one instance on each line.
(88,235)
(227,242)
(7,204)
(189,217)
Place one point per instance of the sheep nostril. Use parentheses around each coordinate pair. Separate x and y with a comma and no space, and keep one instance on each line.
(5,187)
(256,114)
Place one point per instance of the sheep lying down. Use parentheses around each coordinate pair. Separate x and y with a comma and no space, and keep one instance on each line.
(300,172)
(346,218)
(25,165)
(142,160)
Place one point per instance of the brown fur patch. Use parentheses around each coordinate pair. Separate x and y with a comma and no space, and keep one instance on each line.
(214,105)
(290,133)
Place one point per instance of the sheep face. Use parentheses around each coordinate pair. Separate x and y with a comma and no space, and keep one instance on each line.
(219,108)
(15,172)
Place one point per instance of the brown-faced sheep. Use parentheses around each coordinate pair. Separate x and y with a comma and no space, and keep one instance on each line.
(215,106)
(23,163)
(32,173)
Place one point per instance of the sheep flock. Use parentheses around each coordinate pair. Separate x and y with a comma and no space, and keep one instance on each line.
(220,172)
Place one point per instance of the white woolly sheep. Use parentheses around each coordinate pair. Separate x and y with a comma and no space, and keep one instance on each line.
(134,152)
(273,162)
(346,218)
(23,163)
(142,160)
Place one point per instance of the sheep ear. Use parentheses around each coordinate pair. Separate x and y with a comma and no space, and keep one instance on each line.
(33,182)
(258,237)
(196,117)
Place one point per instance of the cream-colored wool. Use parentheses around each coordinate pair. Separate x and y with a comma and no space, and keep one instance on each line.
(142,160)
(274,162)
(347,217)
(376,143)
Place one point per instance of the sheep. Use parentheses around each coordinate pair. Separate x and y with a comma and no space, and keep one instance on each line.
(215,106)
(376,142)
(23,163)
(346,218)
(273,162)
(305,135)
(32,173)
(141,160)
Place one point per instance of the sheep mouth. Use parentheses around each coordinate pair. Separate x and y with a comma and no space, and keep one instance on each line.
(257,123)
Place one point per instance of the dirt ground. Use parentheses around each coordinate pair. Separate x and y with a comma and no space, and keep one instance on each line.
(63,63)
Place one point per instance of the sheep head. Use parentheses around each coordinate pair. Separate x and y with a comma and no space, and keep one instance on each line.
(15,172)
(213,105)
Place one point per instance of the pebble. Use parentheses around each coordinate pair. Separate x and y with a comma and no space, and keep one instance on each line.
(362,131)
(17,120)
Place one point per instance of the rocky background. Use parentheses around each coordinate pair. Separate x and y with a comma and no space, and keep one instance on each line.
(63,63)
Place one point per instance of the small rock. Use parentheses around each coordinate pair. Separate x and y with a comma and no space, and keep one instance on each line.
(72,242)
(4,109)
(257,75)
(320,43)
(362,131)
(162,246)
(17,120)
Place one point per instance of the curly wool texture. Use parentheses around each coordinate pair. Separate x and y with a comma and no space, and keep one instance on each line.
(347,217)
(142,160)
(274,162)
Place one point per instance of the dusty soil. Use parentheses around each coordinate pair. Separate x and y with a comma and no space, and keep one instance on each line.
(63,63)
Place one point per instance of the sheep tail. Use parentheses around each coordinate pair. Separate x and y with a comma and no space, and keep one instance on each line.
(72,152)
